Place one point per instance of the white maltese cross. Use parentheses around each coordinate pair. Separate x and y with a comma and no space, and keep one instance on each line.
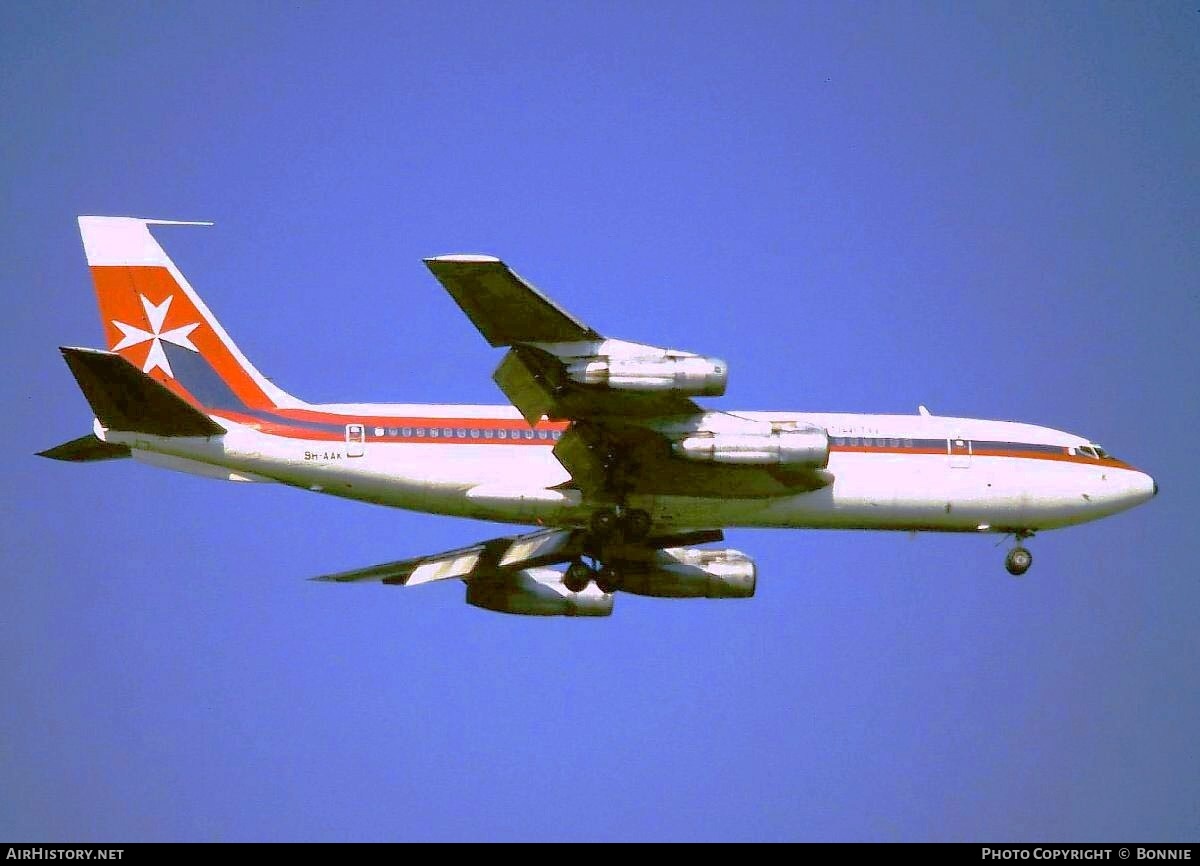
(156,316)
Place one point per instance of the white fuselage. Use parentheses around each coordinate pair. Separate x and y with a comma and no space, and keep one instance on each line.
(890,471)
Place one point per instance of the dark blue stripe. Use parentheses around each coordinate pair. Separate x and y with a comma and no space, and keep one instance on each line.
(192,370)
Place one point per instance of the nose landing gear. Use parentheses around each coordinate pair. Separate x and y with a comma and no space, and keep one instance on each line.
(1019,559)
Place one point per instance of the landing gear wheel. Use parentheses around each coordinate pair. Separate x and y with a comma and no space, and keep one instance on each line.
(577,576)
(608,579)
(1018,561)
(635,524)
(604,523)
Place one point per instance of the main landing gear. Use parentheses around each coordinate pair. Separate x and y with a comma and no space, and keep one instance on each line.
(577,576)
(1019,559)
(632,524)
(608,526)
(608,579)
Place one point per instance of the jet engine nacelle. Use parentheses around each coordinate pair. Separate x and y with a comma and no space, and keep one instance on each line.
(689,572)
(808,448)
(536,592)
(689,375)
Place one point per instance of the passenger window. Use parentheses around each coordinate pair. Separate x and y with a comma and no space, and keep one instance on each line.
(474,433)
(528,434)
(433,432)
(447,433)
(378,431)
(462,434)
(488,434)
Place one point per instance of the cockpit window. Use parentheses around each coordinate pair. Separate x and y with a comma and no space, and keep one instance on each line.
(1086,450)
(1100,452)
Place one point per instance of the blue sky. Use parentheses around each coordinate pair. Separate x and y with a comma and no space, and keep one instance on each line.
(987,208)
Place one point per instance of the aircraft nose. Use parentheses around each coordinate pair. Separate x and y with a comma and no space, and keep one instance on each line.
(1145,487)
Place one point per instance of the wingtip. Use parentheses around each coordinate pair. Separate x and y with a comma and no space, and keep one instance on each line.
(86,350)
(144,220)
(463,258)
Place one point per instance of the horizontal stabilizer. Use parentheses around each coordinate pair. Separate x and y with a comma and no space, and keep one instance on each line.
(85,449)
(125,398)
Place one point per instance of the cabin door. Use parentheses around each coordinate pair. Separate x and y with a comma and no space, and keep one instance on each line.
(356,437)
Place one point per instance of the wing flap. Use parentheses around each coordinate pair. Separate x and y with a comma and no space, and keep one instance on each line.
(444,568)
(543,548)
(578,457)
(524,388)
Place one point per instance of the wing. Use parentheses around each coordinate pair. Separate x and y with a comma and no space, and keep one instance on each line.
(507,554)
(545,340)
(631,405)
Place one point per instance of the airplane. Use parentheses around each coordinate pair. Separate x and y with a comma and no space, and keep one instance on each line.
(605,453)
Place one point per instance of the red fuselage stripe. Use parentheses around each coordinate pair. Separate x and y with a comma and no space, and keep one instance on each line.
(507,425)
